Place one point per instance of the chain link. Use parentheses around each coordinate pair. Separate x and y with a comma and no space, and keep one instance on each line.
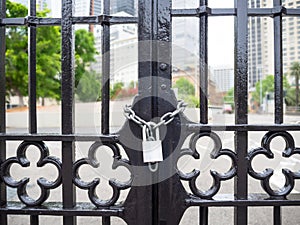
(164,120)
(150,127)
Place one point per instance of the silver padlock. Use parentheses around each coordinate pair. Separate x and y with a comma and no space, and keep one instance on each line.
(152,147)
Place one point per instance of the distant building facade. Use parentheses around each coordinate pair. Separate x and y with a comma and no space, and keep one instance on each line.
(261,41)
(127,6)
(223,78)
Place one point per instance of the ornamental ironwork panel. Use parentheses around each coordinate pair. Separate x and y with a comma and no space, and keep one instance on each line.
(155,190)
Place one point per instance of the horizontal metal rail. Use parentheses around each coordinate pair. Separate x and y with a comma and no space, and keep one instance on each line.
(252,12)
(39,21)
(58,137)
(243,127)
(56,209)
(114,20)
(259,200)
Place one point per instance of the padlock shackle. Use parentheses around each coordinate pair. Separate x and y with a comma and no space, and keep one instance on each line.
(151,168)
(150,136)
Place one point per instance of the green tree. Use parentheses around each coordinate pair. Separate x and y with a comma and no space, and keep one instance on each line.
(290,97)
(186,92)
(229,96)
(16,53)
(267,86)
(185,87)
(47,61)
(89,87)
(48,67)
(84,53)
(295,72)
(114,91)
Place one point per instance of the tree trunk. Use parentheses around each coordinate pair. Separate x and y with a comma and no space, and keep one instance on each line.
(297,91)
(43,101)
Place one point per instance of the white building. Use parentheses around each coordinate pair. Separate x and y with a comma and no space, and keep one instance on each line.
(124,52)
(127,6)
(261,41)
(185,38)
(223,76)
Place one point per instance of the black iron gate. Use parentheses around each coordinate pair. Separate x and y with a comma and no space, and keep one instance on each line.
(158,196)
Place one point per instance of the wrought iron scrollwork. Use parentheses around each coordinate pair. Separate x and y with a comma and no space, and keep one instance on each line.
(42,182)
(265,176)
(91,186)
(215,154)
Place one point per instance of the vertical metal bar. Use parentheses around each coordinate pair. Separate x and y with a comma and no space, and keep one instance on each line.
(3,217)
(32,71)
(203,91)
(145,45)
(277,215)
(34,220)
(203,65)
(105,71)
(278,85)
(203,217)
(241,107)
(105,220)
(278,78)
(67,85)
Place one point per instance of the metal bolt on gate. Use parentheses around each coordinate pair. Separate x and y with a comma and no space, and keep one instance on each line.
(156,196)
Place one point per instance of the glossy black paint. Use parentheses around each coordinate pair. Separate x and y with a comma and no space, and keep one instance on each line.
(157,198)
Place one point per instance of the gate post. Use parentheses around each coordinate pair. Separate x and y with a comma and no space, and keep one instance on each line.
(152,203)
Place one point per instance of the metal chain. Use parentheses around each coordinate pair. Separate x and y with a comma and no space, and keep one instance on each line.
(151,126)
(164,120)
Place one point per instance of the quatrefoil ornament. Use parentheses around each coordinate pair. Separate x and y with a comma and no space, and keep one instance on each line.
(91,186)
(266,175)
(215,154)
(42,182)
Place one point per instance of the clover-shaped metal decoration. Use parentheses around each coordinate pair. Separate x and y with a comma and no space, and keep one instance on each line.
(265,176)
(215,153)
(91,186)
(42,182)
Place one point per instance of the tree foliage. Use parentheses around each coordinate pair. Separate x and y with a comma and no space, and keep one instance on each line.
(290,97)
(115,89)
(84,53)
(186,92)
(185,87)
(295,72)
(89,87)
(16,53)
(267,85)
(48,60)
(229,96)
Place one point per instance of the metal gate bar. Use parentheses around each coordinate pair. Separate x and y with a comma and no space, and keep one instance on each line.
(32,70)
(34,219)
(3,198)
(241,108)
(67,96)
(105,70)
(278,85)
(278,72)
(203,87)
